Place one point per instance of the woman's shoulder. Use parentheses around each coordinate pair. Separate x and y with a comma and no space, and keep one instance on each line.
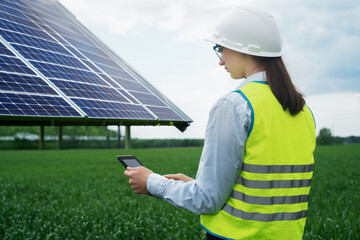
(234,99)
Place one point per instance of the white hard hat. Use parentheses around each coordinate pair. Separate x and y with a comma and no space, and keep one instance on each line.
(250,30)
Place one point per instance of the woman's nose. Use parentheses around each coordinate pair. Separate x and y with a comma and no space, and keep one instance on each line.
(221,62)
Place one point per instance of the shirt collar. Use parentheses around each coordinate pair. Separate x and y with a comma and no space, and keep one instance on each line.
(259,76)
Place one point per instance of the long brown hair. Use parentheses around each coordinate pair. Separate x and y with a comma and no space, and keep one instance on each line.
(281,85)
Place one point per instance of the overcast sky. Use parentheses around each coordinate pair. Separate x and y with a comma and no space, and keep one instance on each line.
(162,40)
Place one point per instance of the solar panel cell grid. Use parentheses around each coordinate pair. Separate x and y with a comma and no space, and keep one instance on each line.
(50,57)
(15,65)
(68,32)
(118,72)
(100,59)
(78,44)
(10,8)
(19,83)
(5,24)
(128,96)
(16,17)
(62,72)
(148,99)
(94,68)
(75,52)
(46,8)
(165,113)
(33,105)
(66,28)
(19,38)
(131,85)
(5,51)
(73,89)
(99,109)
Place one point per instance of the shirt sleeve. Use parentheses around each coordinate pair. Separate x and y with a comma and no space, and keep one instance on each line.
(220,162)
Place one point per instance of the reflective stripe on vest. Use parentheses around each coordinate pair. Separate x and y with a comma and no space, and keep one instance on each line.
(269,198)
(277,168)
(264,217)
(274,183)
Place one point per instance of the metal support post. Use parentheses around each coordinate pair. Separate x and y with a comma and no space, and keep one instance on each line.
(60,133)
(42,141)
(127,137)
(119,138)
(107,138)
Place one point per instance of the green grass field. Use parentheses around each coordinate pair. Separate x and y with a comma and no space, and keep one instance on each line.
(83,194)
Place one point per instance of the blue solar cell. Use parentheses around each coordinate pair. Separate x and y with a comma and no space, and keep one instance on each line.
(132,99)
(22,83)
(45,7)
(74,89)
(5,51)
(105,61)
(165,113)
(95,69)
(131,85)
(15,16)
(8,25)
(148,99)
(102,109)
(62,72)
(82,46)
(11,8)
(33,105)
(75,52)
(12,64)
(50,57)
(32,41)
(3,111)
(118,72)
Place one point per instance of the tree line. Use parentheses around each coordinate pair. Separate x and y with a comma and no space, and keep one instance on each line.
(72,141)
(52,130)
(325,137)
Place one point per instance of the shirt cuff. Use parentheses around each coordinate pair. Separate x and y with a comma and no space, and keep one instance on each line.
(156,185)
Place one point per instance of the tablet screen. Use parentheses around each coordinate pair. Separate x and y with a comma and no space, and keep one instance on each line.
(131,162)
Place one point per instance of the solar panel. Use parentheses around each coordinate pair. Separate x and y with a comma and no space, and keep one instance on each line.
(45,51)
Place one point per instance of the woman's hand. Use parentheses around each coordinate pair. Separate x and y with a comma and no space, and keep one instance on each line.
(138,178)
(179,176)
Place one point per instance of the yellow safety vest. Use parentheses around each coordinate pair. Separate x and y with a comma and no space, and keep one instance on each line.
(270,198)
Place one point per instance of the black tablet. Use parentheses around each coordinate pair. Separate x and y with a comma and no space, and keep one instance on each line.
(129,161)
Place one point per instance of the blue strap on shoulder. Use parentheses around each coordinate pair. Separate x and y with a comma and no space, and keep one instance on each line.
(252,111)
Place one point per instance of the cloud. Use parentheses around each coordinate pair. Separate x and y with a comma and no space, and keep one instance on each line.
(172,17)
(321,45)
(120,17)
(124,16)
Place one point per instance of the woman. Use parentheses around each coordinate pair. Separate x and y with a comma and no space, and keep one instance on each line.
(255,171)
